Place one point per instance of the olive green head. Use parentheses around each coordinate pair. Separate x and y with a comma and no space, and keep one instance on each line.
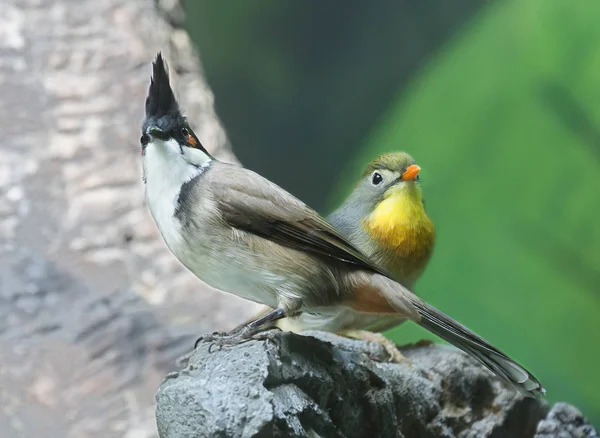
(395,162)
(385,174)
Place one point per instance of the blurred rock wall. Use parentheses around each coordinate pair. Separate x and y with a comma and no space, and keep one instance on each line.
(93,307)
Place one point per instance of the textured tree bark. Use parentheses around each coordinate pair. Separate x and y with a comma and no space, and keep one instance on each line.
(93,307)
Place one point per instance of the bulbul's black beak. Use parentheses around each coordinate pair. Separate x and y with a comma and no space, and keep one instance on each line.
(155,132)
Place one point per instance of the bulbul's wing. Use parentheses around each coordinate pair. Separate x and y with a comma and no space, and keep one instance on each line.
(249,202)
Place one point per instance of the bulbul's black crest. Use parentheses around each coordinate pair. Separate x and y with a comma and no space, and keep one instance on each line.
(161,100)
(162,109)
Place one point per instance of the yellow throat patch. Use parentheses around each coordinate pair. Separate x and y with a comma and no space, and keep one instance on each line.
(400,223)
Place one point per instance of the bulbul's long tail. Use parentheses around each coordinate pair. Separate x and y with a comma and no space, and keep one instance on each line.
(412,307)
(463,338)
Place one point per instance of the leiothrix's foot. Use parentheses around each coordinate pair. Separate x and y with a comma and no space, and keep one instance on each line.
(389,346)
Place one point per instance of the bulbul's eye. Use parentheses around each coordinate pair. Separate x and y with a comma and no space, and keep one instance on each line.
(185,133)
(376,179)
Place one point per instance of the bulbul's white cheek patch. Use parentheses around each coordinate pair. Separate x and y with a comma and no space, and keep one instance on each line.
(195,156)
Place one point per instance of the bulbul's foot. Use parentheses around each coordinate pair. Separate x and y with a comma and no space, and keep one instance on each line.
(208,338)
(389,346)
(244,332)
(236,336)
(219,339)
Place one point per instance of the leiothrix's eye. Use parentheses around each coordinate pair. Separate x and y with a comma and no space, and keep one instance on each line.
(376,179)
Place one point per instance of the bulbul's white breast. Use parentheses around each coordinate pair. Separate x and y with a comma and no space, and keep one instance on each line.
(165,175)
(205,249)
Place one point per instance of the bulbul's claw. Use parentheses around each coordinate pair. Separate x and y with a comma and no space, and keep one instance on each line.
(207,338)
(210,347)
(219,339)
(242,333)
(236,337)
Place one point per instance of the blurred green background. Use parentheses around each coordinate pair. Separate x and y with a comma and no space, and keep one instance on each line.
(499,102)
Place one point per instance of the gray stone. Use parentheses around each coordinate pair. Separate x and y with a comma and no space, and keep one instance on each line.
(319,384)
(565,421)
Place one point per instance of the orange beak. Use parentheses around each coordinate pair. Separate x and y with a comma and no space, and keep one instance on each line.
(411,173)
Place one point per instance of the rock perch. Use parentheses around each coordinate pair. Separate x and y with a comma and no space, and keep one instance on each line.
(321,385)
